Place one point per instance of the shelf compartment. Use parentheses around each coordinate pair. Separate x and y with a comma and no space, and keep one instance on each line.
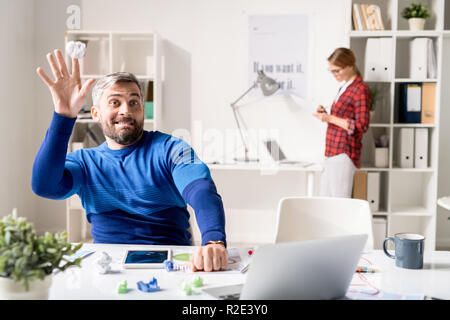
(134,53)
(97,58)
(413,192)
(403,58)
(387,7)
(431,132)
(434,22)
(370,141)
(379,59)
(426,103)
(88,133)
(382,104)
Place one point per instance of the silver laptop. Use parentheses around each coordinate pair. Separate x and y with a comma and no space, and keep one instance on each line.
(308,270)
(278,155)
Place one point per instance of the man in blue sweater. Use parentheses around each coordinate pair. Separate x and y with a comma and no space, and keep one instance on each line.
(134,187)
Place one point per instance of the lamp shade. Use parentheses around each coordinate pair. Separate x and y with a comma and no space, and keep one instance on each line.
(268,85)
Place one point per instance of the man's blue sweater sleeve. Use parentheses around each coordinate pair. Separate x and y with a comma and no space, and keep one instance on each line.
(51,177)
(193,180)
(202,195)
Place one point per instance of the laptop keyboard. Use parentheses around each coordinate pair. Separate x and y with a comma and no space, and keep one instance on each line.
(228,292)
(230,296)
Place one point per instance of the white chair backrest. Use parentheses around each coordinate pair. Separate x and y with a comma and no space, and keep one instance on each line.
(308,218)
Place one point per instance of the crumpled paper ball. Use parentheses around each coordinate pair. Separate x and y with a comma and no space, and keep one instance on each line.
(76,49)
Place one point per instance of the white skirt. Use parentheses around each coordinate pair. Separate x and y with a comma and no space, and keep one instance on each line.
(337,177)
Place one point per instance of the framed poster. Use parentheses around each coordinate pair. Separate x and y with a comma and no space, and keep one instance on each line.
(278,45)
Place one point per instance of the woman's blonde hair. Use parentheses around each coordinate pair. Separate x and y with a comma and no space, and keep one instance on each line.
(344,57)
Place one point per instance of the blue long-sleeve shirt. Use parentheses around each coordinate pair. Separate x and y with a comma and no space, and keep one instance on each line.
(137,194)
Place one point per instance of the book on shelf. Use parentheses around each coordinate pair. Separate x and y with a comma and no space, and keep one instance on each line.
(405,149)
(431,61)
(357,23)
(360,185)
(366,186)
(421,148)
(378,59)
(367,17)
(422,59)
(428,102)
(410,103)
(373,190)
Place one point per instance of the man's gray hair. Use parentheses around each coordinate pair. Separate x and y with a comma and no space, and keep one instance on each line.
(110,80)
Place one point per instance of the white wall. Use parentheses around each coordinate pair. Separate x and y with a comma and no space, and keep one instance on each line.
(17,94)
(208,42)
(50,24)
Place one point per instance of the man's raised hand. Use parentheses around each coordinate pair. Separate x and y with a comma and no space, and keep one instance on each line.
(68,94)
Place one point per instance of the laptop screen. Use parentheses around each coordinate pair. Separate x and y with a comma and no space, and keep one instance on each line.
(274,150)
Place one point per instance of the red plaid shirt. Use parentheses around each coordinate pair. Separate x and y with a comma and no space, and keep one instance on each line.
(353,105)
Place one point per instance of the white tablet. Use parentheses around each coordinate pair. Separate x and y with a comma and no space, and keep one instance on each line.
(146,259)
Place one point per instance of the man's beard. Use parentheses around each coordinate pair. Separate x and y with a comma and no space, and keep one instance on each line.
(123,136)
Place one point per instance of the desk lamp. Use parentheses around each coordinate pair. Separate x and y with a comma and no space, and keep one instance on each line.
(268,87)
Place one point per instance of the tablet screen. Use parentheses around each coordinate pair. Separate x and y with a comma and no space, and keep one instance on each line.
(146,256)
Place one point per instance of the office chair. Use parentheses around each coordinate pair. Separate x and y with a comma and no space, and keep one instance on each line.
(308,218)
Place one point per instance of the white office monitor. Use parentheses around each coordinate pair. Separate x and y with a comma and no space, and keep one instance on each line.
(274,150)
(278,155)
(309,270)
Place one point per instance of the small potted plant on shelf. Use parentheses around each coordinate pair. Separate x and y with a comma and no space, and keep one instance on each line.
(27,260)
(416,14)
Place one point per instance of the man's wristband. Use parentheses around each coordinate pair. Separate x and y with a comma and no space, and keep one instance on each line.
(215,242)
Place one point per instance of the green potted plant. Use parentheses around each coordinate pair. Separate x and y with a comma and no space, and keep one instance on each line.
(27,260)
(416,14)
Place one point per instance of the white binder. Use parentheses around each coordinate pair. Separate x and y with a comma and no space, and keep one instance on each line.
(378,64)
(421,148)
(418,61)
(406,148)
(431,61)
(373,190)
(379,232)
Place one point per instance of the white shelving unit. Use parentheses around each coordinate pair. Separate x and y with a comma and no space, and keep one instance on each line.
(108,52)
(408,196)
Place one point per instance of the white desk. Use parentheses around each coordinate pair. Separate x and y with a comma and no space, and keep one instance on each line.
(274,168)
(252,192)
(86,283)
(433,280)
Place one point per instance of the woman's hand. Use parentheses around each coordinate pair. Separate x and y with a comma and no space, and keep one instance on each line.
(68,94)
(322,117)
(321,109)
(322,114)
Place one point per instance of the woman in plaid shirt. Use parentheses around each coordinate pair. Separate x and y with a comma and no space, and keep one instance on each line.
(347,122)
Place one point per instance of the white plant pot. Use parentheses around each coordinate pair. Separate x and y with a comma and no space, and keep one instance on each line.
(416,24)
(38,289)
